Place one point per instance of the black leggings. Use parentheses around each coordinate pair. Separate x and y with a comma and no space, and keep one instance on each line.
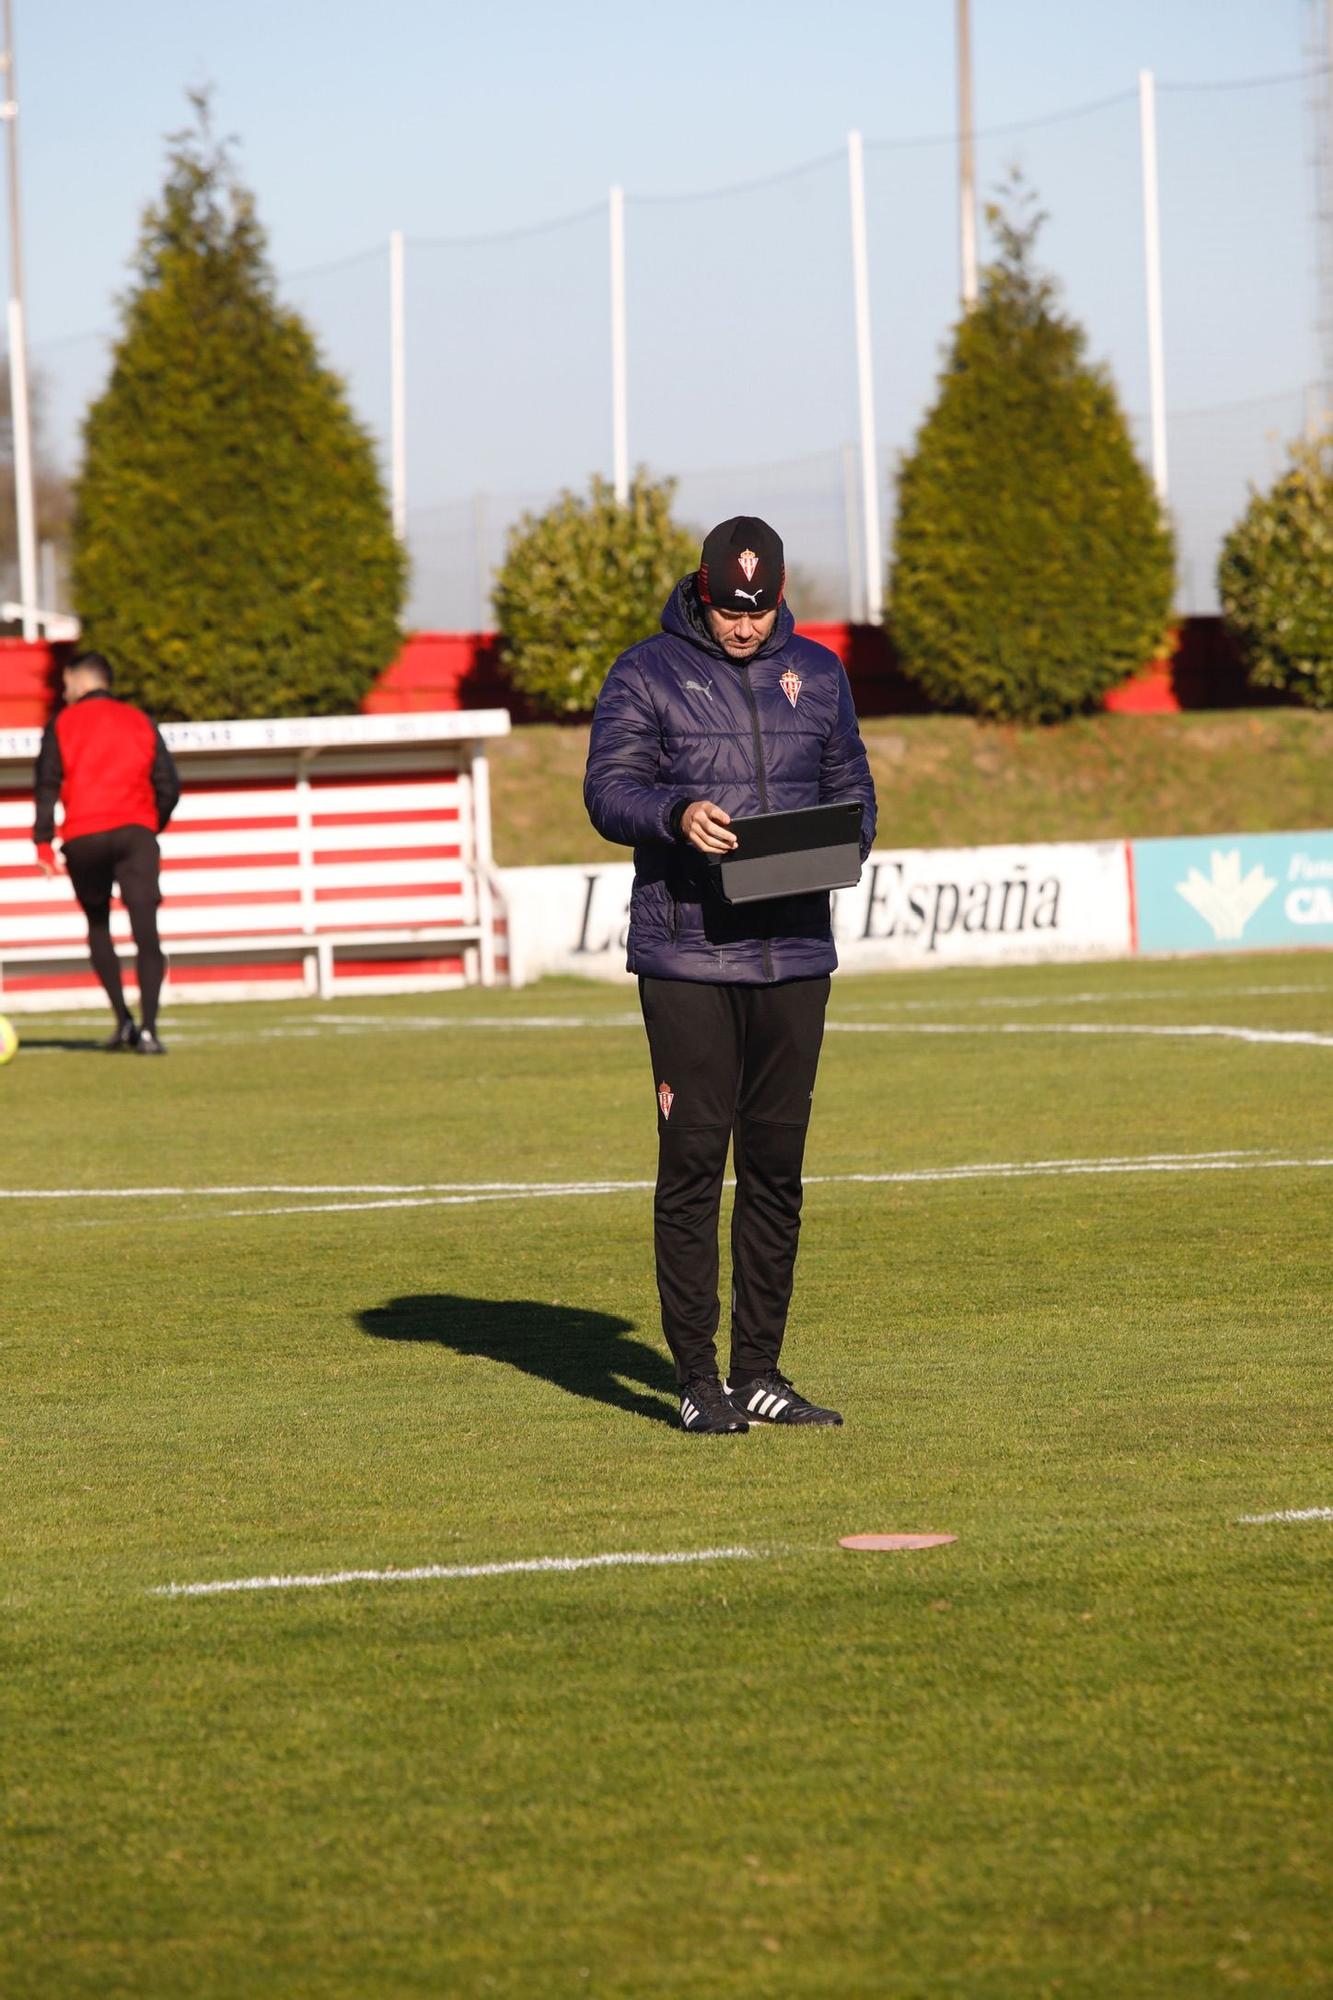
(127,857)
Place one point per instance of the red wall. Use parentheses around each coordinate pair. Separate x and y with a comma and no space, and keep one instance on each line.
(463,670)
(29,681)
(460,670)
(446,670)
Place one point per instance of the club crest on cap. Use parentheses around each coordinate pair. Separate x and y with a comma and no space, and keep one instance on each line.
(749,562)
(790,683)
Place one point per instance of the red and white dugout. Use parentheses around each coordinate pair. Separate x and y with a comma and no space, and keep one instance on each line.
(320,855)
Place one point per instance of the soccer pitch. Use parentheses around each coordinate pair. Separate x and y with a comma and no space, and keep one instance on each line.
(367,1287)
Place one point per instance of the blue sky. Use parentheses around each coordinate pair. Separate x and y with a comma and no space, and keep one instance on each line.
(445,120)
(440,118)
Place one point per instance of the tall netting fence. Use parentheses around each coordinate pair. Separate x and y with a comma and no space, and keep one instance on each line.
(1241,350)
(346,306)
(64,375)
(742,380)
(507,354)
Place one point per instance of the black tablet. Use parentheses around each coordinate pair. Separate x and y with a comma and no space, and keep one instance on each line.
(792,853)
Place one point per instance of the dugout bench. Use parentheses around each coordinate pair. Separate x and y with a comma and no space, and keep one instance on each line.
(314,856)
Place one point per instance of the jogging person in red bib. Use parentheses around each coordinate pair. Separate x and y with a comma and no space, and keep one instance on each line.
(106,762)
(724,713)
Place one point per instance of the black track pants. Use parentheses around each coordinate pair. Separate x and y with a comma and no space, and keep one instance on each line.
(732,1065)
(126,858)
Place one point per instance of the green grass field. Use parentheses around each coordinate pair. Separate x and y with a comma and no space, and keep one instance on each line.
(1085,1751)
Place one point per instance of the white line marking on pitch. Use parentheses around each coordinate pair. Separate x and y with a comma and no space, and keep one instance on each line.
(451,1572)
(462,1194)
(1197,1031)
(499,1022)
(1288,1514)
(470,1199)
(299,1187)
(1015,1171)
(316,1027)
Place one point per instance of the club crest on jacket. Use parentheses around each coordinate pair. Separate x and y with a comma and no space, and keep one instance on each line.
(790,683)
(666,1097)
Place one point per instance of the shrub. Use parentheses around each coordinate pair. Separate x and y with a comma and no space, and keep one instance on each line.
(233,551)
(1032,568)
(1275,577)
(583,581)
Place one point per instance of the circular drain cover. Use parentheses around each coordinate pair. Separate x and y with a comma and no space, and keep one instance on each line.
(894,1541)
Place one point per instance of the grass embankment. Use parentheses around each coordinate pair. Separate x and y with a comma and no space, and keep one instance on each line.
(946,781)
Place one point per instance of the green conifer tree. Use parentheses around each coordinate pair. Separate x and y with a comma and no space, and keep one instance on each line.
(233,551)
(1032,569)
(1275,578)
(583,581)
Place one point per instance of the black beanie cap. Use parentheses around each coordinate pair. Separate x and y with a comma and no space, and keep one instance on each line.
(741,566)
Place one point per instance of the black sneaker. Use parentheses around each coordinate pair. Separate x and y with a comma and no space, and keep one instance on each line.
(770,1399)
(125,1037)
(704,1408)
(148,1044)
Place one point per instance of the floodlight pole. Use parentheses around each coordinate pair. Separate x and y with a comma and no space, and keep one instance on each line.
(619,381)
(1152,258)
(865,382)
(967,166)
(398,384)
(25,511)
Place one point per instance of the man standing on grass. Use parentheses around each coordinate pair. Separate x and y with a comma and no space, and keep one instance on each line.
(726,712)
(106,762)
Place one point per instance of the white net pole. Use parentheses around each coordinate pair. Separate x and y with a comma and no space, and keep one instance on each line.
(25,511)
(619,386)
(1152,258)
(398,383)
(967,172)
(865,380)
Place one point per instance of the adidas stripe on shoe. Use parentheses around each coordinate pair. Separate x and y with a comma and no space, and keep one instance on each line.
(704,1408)
(771,1399)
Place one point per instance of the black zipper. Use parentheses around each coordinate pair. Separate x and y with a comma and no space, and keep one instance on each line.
(763,785)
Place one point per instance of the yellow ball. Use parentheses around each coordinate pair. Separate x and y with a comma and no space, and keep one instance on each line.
(9,1041)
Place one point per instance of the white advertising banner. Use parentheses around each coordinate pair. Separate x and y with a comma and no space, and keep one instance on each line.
(912,907)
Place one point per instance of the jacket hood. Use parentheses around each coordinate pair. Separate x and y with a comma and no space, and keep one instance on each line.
(683,617)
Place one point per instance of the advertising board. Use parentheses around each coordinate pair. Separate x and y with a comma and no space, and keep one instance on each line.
(912,907)
(1234,892)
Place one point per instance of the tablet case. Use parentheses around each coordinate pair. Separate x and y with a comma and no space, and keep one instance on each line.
(792,853)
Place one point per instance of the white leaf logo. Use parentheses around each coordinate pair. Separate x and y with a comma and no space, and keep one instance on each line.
(1226,900)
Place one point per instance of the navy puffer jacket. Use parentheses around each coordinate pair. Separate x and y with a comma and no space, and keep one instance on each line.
(677,720)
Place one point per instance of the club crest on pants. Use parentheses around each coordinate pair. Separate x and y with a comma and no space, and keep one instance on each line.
(666,1097)
(790,683)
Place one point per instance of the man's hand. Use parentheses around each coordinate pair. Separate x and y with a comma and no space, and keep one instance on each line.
(47,861)
(706,827)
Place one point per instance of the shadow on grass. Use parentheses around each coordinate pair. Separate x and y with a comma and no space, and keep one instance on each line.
(70,1046)
(585,1353)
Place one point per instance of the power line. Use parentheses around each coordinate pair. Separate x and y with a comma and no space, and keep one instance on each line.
(1252,82)
(597,209)
(1005,131)
(797,172)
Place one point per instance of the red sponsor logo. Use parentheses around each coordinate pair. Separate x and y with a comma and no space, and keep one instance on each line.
(790,684)
(666,1097)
